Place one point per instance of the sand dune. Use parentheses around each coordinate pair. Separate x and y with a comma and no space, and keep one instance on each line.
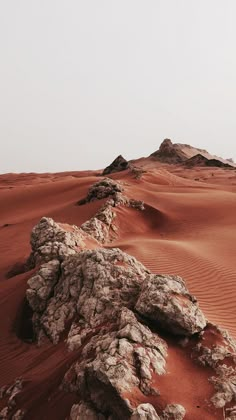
(187,228)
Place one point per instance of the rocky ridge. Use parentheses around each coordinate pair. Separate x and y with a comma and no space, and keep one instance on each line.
(55,240)
(113,310)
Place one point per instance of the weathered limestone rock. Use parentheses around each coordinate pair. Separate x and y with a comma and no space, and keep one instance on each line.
(222,358)
(49,240)
(145,412)
(41,285)
(225,385)
(89,298)
(104,188)
(117,362)
(83,411)
(92,286)
(166,300)
(101,226)
(173,412)
(108,188)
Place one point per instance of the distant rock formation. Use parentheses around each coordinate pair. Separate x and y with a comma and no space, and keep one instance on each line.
(188,155)
(118,165)
(169,152)
(200,160)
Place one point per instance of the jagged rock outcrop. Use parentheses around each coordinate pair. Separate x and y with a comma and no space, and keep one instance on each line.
(117,363)
(145,412)
(102,226)
(166,300)
(173,412)
(104,188)
(108,188)
(118,165)
(92,285)
(99,302)
(50,240)
(41,285)
(222,358)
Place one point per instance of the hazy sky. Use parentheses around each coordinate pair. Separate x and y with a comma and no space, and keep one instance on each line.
(82,81)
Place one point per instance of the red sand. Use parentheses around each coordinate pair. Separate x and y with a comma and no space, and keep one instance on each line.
(187,228)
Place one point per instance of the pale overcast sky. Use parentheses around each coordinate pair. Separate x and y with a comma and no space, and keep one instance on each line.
(82,81)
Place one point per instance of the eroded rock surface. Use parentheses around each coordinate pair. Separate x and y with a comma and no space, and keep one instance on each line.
(102,226)
(145,412)
(99,302)
(222,358)
(166,300)
(50,240)
(117,362)
(92,285)
(109,188)
(104,188)
(173,412)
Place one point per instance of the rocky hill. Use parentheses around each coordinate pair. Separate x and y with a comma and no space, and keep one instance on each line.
(184,153)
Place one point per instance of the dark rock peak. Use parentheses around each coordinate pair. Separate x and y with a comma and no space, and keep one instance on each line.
(119,164)
(169,152)
(200,160)
(166,145)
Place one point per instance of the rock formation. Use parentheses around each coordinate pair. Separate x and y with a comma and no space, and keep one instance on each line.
(54,240)
(166,300)
(51,240)
(169,152)
(200,160)
(104,188)
(188,155)
(118,165)
(108,188)
(100,301)
(221,357)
